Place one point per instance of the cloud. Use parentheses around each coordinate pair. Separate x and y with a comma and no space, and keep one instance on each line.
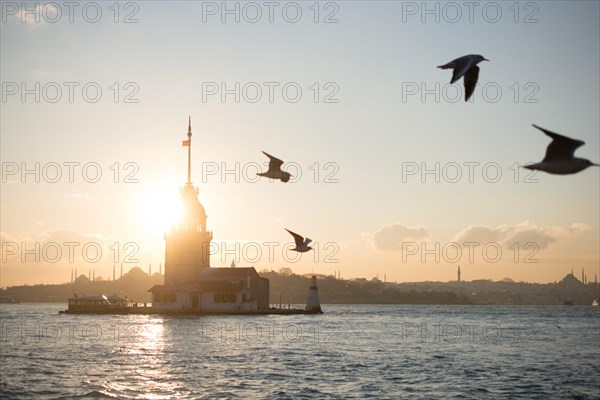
(521,233)
(53,246)
(4,237)
(390,237)
(7,237)
(29,14)
(73,236)
(478,233)
(8,244)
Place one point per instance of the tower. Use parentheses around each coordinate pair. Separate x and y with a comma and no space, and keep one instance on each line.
(312,300)
(458,274)
(187,246)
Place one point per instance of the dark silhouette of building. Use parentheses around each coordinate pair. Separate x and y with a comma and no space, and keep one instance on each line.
(190,283)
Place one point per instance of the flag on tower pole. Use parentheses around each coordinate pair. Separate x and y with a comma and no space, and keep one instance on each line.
(185,143)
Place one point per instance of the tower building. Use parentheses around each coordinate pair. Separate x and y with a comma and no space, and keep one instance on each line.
(458,274)
(188,244)
(190,283)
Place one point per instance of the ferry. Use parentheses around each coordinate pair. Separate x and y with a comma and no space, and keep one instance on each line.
(98,305)
(596,302)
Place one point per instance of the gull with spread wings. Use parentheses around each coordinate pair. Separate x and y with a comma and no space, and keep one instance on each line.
(274,171)
(560,159)
(467,66)
(301,243)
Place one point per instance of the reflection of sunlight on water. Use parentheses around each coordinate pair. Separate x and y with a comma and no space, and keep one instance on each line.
(370,351)
(148,371)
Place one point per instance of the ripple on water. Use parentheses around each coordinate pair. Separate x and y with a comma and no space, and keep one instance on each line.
(351,352)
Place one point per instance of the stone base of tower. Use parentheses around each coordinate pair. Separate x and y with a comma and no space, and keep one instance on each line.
(221,290)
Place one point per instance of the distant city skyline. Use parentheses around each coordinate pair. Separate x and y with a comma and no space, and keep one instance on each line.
(393,173)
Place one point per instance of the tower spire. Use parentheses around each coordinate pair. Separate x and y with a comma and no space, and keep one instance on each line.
(189,134)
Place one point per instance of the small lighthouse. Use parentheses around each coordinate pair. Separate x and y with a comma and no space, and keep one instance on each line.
(312,302)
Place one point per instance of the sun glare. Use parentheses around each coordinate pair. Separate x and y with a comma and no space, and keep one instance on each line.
(159,210)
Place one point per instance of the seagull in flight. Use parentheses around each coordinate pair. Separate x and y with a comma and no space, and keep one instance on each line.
(559,156)
(467,66)
(301,243)
(275,171)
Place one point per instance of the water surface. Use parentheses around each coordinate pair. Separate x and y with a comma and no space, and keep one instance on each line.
(351,351)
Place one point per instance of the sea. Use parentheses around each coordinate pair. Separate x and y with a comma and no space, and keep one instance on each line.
(348,352)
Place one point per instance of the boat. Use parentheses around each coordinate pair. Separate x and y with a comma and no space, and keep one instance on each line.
(596,302)
(98,305)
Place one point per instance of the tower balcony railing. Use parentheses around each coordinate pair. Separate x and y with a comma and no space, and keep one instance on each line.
(176,229)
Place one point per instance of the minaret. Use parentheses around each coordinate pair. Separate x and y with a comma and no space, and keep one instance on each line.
(582,276)
(149,269)
(187,247)
(458,274)
(114,272)
(121,271)
(71,276)
(160,269)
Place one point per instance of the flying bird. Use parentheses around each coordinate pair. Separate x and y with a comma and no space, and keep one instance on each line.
(275,171)
(559,156)
(301,243)
(467,66)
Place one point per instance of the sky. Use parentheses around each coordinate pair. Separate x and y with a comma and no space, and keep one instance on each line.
(395,175)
